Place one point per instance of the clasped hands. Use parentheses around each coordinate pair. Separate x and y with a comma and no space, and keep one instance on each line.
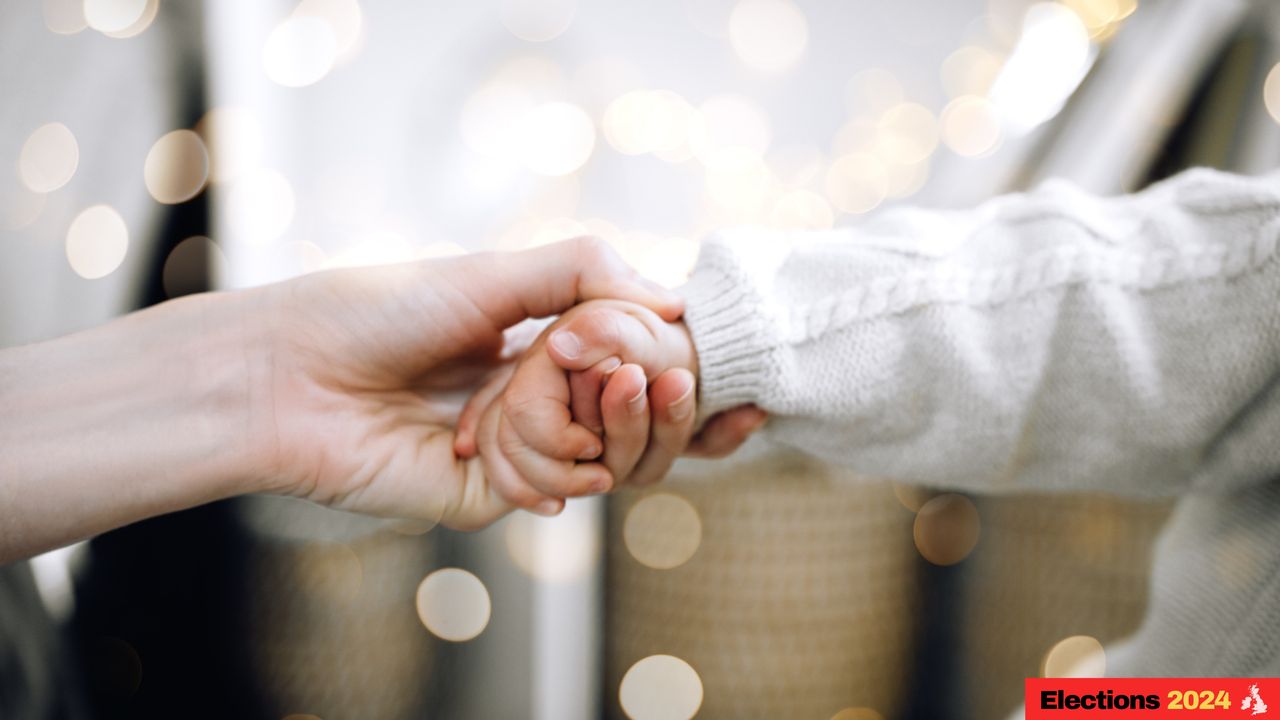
(365,368)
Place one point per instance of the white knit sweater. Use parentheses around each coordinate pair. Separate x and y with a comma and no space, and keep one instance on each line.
(1045,341)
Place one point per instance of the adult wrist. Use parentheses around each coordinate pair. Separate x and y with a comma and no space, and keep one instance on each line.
(228,352)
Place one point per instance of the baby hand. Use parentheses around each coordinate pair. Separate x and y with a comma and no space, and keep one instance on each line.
(545,435)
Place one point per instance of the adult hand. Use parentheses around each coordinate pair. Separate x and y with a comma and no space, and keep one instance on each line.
(333,387)
(362,365)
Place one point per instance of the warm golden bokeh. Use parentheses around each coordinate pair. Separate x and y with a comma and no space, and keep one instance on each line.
(1075,656)
(97,242)
(177,167)
(857,713)
(661,687)
(453,604)
(947,529)
(300,51)
(113,16)
(662,531)
(768,35)
(49,158)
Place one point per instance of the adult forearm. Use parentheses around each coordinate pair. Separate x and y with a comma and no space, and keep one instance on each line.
(143,416)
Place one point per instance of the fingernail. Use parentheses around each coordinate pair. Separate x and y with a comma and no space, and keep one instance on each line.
(548,508)
(566,343)
(590,453)
(682,407)
(608,365)
(600,485)
(635,405)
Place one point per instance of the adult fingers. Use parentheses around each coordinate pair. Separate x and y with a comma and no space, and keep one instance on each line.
(464,441)
(672,401)
(585,387)
(509,287)
(477,503)
(625,408)
(726,431)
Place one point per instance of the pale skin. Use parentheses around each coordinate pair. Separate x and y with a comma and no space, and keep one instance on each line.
(631,379)
(339,387)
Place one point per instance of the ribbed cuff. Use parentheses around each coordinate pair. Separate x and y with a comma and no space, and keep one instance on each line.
(726,317)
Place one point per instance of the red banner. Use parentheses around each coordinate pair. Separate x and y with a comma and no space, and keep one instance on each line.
(1140,698)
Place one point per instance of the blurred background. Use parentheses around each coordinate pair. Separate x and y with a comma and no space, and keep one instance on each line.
(159,147)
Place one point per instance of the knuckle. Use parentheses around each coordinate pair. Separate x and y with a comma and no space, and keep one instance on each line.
(522,411)
(593,249)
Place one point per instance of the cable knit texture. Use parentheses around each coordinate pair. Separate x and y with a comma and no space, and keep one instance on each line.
(1051,341)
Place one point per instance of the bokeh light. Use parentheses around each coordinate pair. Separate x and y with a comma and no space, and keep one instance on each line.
(729,131)
(666,260)
(109,16)
(386,247)
(97,242)
(233,138)
(797,166)
(971,126)
(970,70)
(649,121)
(551,197)
(912,497)
(662,531)
(857,183)
(1051,58)
(300,51)
(137,27)
(49,158)
(113,667)
(947,529)
(555,230)
(259,206)
(345,21)
(558,549)
(907,133)
(453,604)
(21,207)
(600,80)
(741,186)
(768,35)
(538,20)
(558,139)
(297,257)
(1101,17)
(857,713)
(177,167)
(194,265)
(661,687)
(64,17)
(1076,656)
(802,210)
(1271,92)
(905,179)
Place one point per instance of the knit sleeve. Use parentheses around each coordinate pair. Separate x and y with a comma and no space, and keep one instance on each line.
(1050,340)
